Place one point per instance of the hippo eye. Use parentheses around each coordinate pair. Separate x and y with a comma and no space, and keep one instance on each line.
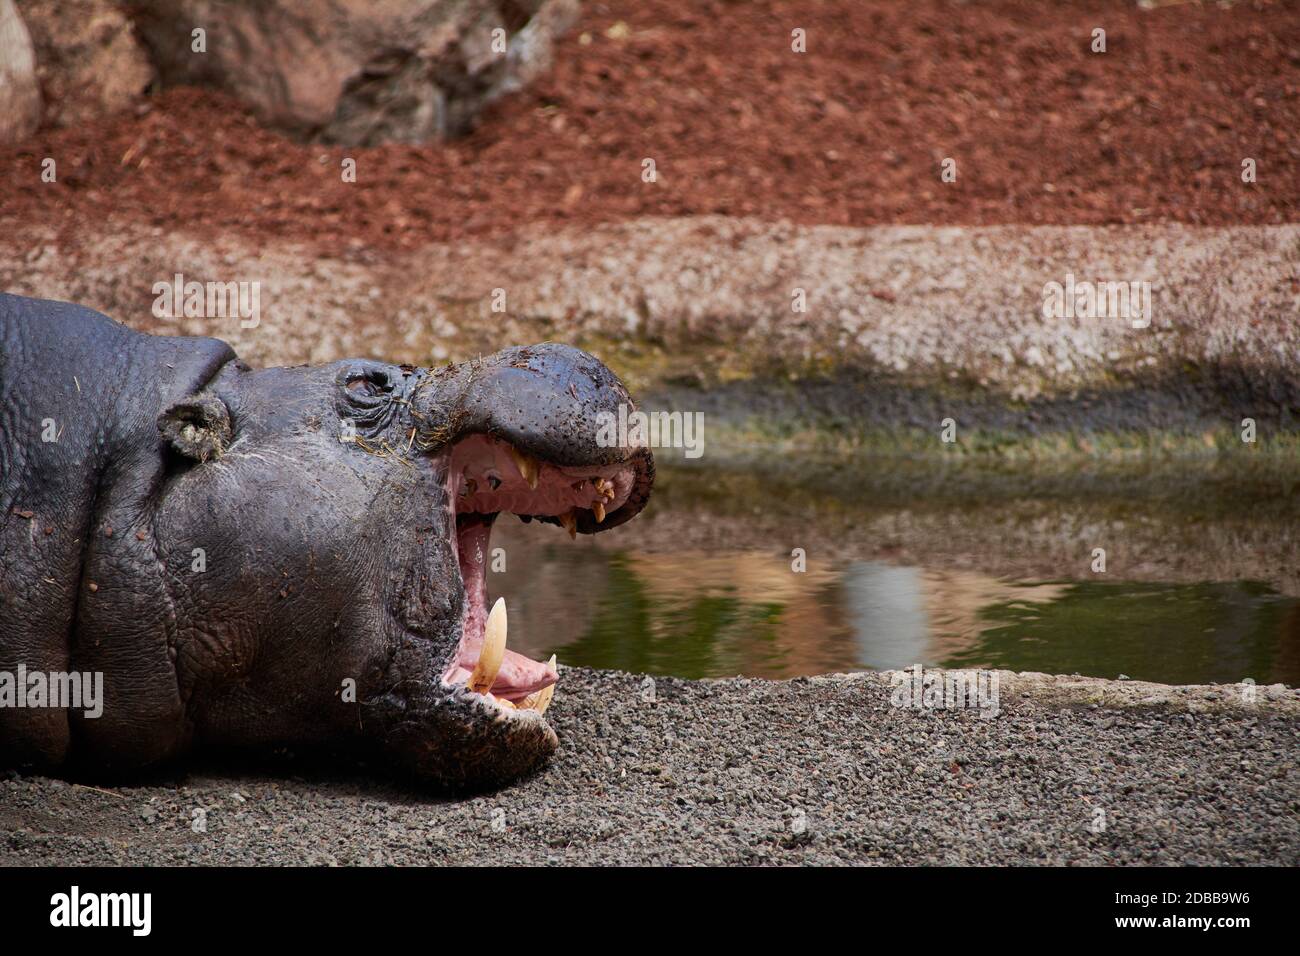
(369,384)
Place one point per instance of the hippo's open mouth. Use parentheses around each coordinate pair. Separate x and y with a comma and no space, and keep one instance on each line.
(486,476)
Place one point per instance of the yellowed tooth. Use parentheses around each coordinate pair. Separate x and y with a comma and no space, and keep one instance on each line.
(546,693)
(527,465)
(507,704)
(570,523)
(543,698)
(494,650)
(540,700)
(598,509)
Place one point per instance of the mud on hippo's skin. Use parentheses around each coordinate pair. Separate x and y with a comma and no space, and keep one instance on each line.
(342,513)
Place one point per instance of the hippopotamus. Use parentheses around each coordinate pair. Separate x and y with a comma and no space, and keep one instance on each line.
(272,558)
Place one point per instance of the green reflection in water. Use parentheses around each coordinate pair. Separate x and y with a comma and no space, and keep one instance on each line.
(1196,519)
(702,634)
(1174,634)
(1177,634)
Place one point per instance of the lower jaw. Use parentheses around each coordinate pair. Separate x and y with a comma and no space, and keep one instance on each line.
(519,683)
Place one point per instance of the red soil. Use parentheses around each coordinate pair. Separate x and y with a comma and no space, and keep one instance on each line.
(852,132)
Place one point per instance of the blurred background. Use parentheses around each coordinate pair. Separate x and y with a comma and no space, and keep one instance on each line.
(827,227)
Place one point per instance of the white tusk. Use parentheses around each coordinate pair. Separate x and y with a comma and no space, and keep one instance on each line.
(494,650)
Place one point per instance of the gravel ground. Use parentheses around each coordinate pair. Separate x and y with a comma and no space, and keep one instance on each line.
(818,771)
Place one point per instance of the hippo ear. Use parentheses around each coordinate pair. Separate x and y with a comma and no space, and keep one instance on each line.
(197,427)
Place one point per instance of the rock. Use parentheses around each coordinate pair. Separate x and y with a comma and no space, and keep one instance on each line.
(20,94)
(88,60)
(357,72)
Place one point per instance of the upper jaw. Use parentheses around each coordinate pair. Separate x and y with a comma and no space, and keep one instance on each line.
(549,403)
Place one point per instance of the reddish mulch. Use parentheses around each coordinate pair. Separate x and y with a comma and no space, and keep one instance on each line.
(852,132)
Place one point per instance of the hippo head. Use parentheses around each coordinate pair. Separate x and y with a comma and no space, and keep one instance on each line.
(343,514)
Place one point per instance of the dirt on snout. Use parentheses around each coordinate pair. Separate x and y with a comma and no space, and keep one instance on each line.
(815,770)
(852,132)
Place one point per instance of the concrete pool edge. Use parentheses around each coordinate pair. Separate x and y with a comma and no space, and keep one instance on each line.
(710,299)
(905,326)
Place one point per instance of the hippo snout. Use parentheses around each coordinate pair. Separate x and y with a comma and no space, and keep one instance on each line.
(527,440)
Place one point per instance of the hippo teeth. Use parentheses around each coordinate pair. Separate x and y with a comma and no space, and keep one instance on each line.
(486,476)
(494,650)
(529,467)
(540,700)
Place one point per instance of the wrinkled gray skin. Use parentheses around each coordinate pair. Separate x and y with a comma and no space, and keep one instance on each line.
(324,563)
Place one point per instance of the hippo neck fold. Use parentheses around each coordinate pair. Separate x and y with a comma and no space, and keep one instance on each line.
(80,458)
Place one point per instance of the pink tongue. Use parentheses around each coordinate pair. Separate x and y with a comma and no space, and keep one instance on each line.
(519,676)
